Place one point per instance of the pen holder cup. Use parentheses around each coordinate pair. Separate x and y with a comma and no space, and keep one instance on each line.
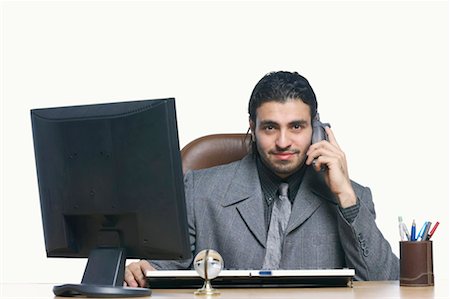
(416,263)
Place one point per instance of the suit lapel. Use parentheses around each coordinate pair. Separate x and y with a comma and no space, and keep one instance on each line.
(251,211)
(244,192)
(312,193)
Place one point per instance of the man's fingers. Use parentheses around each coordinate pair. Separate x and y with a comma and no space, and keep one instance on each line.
(129,279)
(145,266)
(322,148)
(138,274)
(331,137)
(135,273)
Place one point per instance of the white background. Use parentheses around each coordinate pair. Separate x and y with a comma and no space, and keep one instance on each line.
(379,69)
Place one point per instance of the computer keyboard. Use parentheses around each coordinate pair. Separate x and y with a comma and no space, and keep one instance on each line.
(163,279)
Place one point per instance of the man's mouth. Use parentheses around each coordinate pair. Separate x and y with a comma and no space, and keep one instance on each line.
(284,155)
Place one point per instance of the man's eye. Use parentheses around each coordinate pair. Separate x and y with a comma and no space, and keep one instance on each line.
(297,126)
(269,128)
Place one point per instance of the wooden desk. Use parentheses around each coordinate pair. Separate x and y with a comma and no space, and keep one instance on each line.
(362,290)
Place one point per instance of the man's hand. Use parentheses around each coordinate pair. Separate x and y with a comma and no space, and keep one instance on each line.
(135,273)
(330,156)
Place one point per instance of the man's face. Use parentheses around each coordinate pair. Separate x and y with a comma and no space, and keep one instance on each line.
(283,135)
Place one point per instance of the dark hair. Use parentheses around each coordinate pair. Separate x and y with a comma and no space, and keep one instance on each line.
(280,87)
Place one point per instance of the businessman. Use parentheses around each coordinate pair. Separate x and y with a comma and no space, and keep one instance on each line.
(289,204)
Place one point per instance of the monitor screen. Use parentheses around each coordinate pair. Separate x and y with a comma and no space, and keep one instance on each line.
(110,182)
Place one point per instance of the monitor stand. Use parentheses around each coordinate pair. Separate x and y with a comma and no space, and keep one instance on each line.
(103,277)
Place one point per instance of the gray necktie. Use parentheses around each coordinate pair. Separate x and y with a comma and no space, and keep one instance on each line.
(281,212)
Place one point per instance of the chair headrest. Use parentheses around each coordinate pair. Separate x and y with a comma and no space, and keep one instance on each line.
(213,150)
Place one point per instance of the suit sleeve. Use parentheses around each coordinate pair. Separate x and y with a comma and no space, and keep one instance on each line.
(187,263)
(365,248)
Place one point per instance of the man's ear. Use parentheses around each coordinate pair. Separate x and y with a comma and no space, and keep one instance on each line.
(252,129)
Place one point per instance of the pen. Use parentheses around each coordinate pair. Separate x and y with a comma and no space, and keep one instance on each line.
(422,230)
(427,229)
(403,230)
(433,230)
(413,231)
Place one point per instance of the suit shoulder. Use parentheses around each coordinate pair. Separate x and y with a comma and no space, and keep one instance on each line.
(219,168)
(217,173)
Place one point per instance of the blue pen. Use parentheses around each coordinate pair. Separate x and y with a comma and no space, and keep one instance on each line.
(422,231)
(413,231)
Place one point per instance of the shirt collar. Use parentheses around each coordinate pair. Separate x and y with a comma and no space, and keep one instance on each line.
(270,181)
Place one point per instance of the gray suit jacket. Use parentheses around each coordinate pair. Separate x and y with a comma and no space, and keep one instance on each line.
(226,213)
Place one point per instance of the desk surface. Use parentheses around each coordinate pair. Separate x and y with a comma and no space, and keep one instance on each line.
(362,290)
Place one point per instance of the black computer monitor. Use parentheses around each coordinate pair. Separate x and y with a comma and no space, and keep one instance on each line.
(111,186)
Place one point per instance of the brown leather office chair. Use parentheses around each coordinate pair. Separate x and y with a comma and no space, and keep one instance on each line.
(213,150)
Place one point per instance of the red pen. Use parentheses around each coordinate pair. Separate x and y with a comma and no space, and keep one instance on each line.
(432,230)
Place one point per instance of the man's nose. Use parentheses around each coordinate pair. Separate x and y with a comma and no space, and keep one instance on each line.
(283,141)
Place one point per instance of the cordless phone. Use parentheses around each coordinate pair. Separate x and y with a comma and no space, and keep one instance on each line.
(319,133)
